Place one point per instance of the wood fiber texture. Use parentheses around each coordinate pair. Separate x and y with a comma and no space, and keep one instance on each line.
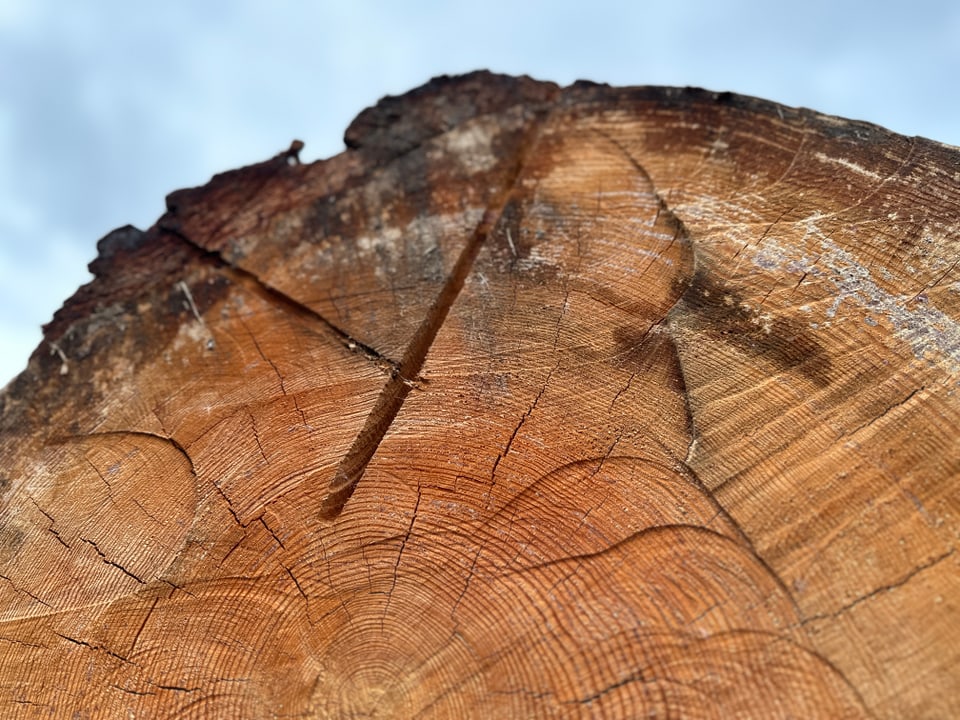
(535,402)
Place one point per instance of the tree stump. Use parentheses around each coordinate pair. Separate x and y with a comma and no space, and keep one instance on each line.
(535,402)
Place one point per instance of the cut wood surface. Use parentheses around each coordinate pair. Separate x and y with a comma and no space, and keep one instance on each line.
(534,402)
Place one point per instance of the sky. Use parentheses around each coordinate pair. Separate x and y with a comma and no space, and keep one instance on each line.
(106,106)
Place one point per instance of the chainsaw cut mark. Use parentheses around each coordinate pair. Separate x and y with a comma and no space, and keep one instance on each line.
(404,377)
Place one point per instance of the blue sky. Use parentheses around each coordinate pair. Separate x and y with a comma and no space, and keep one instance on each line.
(107,106)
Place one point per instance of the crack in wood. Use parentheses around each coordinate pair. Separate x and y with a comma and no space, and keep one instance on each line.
(112,563)
(876,592)
(257,285)
(296,582)
(391,399)
(17,588)
(516,430)
(146,617)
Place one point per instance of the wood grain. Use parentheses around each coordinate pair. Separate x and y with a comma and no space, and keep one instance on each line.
(535,402)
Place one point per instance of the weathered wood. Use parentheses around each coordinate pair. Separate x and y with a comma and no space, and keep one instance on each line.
(582,402)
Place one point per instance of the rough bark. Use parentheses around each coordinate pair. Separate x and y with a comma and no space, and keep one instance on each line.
(535,402)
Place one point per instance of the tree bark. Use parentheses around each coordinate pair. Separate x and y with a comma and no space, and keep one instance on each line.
(535,402)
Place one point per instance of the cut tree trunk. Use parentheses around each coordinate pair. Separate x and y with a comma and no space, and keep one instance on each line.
(535,402)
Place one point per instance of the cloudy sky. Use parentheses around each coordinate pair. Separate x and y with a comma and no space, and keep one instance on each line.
(108,105)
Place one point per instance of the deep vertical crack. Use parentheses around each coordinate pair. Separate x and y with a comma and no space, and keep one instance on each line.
(354,463)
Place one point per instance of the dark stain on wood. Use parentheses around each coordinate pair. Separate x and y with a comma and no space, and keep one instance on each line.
(722,313)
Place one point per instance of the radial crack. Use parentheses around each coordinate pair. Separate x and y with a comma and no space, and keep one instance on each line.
(257,285)
(391,399)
